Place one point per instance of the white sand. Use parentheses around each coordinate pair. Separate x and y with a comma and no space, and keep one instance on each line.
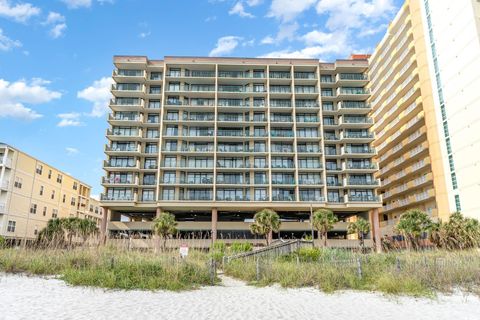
(37,298)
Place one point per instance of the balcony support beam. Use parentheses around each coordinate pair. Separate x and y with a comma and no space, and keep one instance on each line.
(104,224)
(214,224)
(374,222)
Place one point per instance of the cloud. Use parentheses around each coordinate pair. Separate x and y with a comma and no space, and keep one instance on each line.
(57,21)
(268,40)
(71,151)
(287,10)
(21,12)
(346,14)
(253,3)
(75,4)
(7,44)
(317,45)
(143,35)
(71,119)
(14,96)
(239,10)
(225,45)
(210,18)
(99,94)
(58,30)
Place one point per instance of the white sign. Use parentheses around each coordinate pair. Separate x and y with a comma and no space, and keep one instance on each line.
(183,250)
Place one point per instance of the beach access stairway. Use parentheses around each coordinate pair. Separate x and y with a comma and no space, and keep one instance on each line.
(276,248)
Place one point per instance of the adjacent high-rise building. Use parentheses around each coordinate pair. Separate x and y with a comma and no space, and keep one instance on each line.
(424,81)
(32,192)
(213,140)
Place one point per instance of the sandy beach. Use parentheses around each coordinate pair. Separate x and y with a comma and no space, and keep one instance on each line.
(23,297)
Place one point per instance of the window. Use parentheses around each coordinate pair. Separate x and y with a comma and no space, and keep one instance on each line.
(261,195)
(41,190)
(44,213)
(18,183)
(35,231)
(148,195)
(11,226)
(75,186)
(54,213)
(91,208)
(49,174)
(59,178)
(33,208)
(168,194)
(72,202)
(64,198)
(39,169)
(53,195)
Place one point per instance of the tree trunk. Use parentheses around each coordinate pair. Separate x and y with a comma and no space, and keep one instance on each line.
(325,239)
(164,243)
(269,237)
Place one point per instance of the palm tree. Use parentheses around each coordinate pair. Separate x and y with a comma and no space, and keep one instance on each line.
(70,226)
(265,222)
(361,227)
(458,233)
(53,233)
(164,226)
(412,224)
(323,221)
(86,228)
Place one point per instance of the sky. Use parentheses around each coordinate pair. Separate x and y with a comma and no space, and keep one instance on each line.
(56,57)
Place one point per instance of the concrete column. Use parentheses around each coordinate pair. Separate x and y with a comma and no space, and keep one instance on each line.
(157,214)
(104,224)
(374,222)
(214,223)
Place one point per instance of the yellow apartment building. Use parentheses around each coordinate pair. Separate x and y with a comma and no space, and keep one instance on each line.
(424,81)
(32,192)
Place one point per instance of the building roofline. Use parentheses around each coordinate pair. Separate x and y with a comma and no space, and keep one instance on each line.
(9,146)
(146,60)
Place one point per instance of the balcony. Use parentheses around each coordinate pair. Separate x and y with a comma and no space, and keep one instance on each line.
(191,88)
(4,185)
(131,91)
(124,198)
(360,166)
(281,134)
(193,197)
(119,135)
(120,180)
(191,74)
(191,103)
(362,198)
(233,198)
(193,148)
(362,182)
(280,75)
(107,164)
(281,119)
(310,182)
(128,76)
(193,180)
(282,197)
(338,199)
(240,89)
(119,149)
(229,148)
(124,120)
(311,198)
(285,181)
(241,74)
(231,181)
(6,162)
(312,119)
(353,92)
(358,151)
(354,107)
(126,104)
(306,104)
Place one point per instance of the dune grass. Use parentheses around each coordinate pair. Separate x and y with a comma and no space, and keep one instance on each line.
(404,273)
(111,268)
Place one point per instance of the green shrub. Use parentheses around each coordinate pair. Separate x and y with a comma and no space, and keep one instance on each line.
(239,247)
(3,242)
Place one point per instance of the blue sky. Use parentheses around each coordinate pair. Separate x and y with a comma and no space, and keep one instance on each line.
(56,56)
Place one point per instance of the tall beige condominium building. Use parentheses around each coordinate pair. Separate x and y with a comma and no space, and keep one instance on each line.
(425,80)
(32,192)
(213,140)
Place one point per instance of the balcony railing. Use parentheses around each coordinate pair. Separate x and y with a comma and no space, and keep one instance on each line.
(360,182)
(240,89)
(281,197)
(105,197)
(363,198)
(359,150)
(311,198)
(283,181)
